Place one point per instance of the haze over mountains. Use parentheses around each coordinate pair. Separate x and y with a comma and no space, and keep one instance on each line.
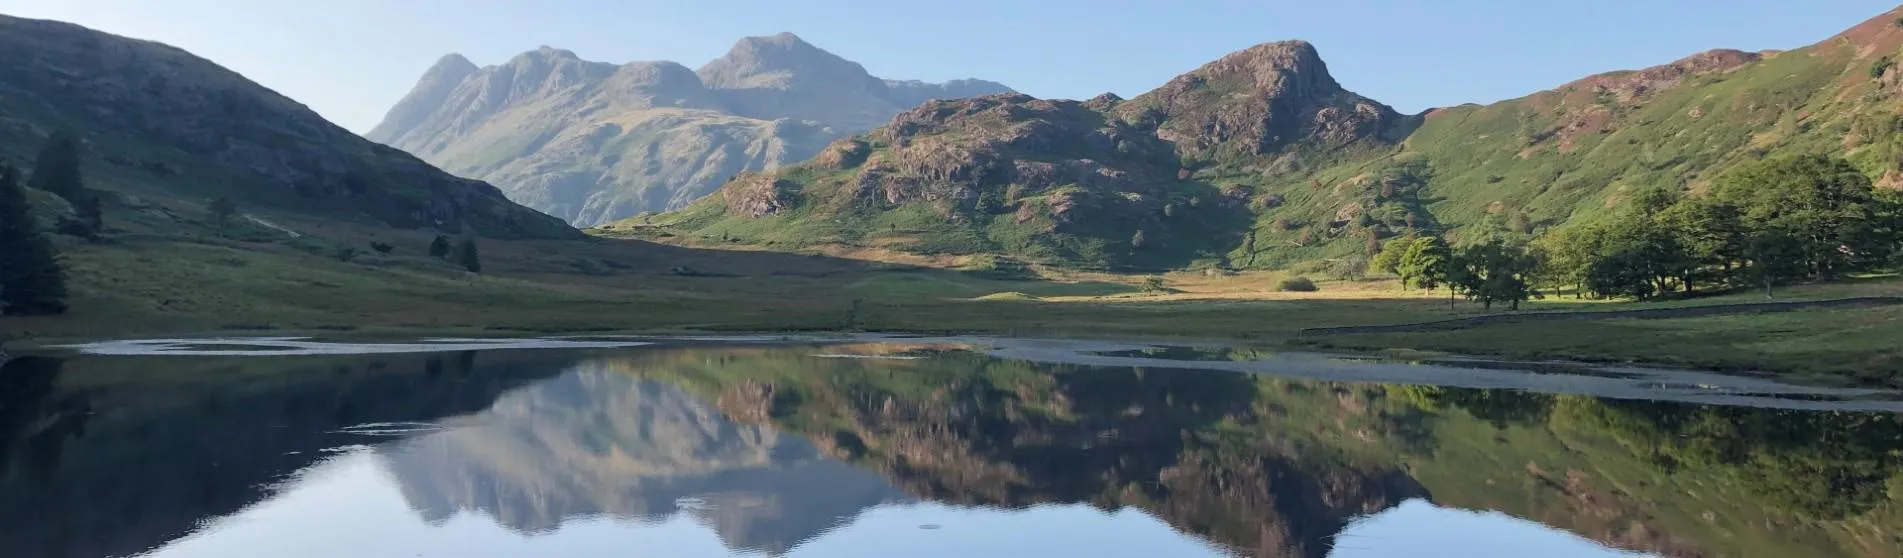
(592,142)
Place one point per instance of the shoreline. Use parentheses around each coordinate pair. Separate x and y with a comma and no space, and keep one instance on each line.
(1549,377)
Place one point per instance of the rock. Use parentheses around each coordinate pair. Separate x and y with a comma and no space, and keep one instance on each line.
(1287,97)
(756,195)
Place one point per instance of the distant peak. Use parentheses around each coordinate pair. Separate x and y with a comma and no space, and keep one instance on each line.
(749,47)
(545,52)
(782,38)
(452,65)
(452,60)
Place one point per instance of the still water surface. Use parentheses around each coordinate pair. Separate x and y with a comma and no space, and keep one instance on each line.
(900,449)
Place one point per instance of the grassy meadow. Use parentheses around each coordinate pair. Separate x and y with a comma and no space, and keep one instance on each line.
(167,272)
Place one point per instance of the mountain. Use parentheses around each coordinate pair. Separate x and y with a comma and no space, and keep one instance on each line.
(162,123)
(598,442)
(592,142)
(1262,159)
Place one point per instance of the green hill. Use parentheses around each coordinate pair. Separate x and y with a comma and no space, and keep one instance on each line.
(1261,159)
(162,131)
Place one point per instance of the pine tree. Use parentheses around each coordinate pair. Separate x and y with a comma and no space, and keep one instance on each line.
(31,282)
(466,255)
(221,211)
(57,171)
(439,248)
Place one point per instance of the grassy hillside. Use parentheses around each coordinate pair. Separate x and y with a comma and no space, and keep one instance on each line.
(158,125)
(1268,163)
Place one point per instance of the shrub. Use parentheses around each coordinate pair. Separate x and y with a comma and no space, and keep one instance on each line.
(1348,268)
(1297,285)
(1153,285)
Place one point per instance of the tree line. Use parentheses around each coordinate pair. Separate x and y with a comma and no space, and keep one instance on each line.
(1763,224)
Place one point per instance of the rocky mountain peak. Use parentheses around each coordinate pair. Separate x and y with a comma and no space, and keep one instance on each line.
(1253,102)
(782,76)
(430,92)
(592,142)
(657,84)
(1278,69)
(451,66)
(784,61)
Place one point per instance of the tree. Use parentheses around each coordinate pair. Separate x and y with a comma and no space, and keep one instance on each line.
(1426,265)
(439,248)
(987,204)
(1776,255)
(1710,232)
(1388,260)
(1825,202)
(1519,223)
(56,170)
(1496,272)
(466,255)
(31,281)
(1638,257)
(1570,253)
(221,211)
(1137,240)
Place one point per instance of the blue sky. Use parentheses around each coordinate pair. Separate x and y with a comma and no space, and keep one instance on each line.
(351,59)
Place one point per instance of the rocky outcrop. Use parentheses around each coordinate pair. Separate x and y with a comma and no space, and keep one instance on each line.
(221,128)
(756,195)
(1258,101)
(591,142)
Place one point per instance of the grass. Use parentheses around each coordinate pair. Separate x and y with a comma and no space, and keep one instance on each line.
(1856,344)
(164,272)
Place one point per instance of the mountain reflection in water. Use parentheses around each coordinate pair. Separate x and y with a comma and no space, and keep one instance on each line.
(717,451)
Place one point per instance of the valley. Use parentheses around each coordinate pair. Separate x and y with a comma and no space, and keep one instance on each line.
(949,208)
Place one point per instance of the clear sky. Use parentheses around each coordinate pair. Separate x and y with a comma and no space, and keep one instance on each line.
(352,59)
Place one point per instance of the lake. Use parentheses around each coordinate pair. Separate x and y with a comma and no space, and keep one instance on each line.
(894,446)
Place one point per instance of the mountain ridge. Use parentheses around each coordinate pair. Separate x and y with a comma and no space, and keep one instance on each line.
(591,142)
(1278,164)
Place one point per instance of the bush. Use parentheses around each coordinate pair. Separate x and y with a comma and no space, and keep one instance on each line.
(1348,268)
(1297,285)
(1153,285)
